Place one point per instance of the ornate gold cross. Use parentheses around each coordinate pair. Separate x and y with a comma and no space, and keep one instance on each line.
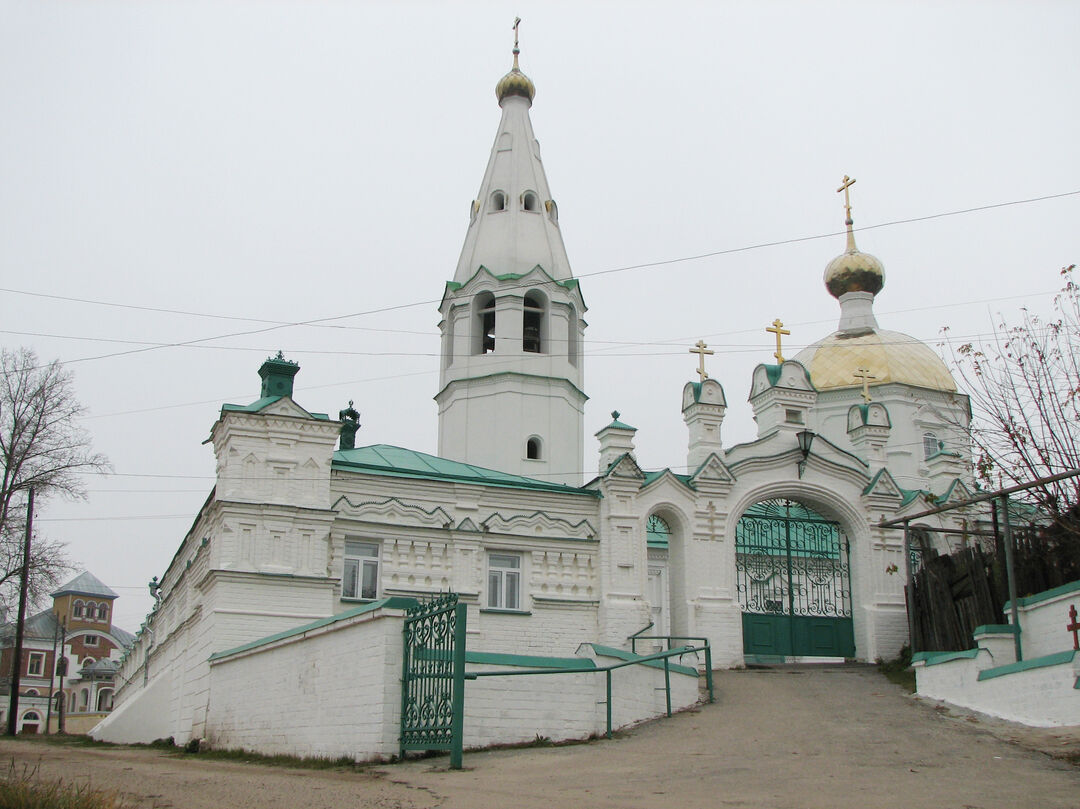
(701,349)
(778,329)
(517,22)
(844,186)
(865,375)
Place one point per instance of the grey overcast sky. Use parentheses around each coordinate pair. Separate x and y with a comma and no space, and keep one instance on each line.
(231,166)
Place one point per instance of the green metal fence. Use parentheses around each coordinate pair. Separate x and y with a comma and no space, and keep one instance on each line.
(664,656)
(433,677)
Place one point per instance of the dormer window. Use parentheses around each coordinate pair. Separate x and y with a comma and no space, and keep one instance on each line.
(533,449)
(533,325)
(552,210)
(498,201)
(530,202)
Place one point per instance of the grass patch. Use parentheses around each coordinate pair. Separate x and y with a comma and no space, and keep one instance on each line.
(22,789)
(899,671)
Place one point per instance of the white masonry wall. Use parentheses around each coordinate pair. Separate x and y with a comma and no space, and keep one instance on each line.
(335,691)
(1043,623)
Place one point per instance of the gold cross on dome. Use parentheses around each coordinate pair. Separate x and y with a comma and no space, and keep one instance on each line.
(844,186)
(778,329)
(865,375)
(701,348)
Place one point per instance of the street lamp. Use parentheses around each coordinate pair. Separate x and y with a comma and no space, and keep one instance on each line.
(805,439)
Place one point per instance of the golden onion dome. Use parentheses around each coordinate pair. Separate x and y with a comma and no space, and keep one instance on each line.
(515,83)
(889,356)
(854,271)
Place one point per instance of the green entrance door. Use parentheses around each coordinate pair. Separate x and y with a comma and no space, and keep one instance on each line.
(793,576)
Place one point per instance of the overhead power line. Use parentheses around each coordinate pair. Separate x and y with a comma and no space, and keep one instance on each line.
(322,321)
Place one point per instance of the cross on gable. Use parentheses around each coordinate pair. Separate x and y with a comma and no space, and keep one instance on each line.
(1074,627)
(865,375)
(778,329)
(701,348)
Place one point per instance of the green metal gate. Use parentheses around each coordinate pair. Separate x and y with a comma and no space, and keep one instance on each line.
(793,579)
(433,677)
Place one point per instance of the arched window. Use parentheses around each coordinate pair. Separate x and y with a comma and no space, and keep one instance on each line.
(84,699)
(31,716)
(91,610)
(30,692)
(530,202)
(533,449)
(553,211)
(88,661)
(72,702)
(657,531)
(77,609)
(484,323)
(103,612)
(104,699)
(930,445)
(498,201)
(532,335)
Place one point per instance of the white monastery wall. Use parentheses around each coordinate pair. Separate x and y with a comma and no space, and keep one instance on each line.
(1043,623)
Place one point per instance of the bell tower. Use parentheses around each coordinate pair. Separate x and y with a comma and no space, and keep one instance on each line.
(511,371)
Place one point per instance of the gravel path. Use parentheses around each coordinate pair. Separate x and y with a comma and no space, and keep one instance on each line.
(803,738)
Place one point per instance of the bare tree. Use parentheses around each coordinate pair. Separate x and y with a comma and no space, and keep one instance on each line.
(1024,384)
(42,447)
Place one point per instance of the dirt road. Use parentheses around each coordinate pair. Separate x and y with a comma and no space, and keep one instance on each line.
(800,738)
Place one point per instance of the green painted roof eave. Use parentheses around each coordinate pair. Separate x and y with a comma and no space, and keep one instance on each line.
(391,461)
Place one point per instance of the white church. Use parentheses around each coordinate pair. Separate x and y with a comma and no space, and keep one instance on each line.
(768,549)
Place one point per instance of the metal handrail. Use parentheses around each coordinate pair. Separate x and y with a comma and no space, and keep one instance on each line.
(669,638)
(665,656)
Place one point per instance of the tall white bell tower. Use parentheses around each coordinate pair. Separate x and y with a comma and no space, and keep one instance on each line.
(511,381)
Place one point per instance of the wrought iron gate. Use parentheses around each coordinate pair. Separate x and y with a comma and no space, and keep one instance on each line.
(793,577)
(433,677)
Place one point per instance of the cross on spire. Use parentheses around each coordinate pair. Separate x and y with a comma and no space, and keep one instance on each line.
(701,348)
(517,50)
(778,329)
(844,186)
(865,375)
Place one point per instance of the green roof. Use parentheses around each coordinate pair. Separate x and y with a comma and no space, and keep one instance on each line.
(266,401)
(384,459)
(651,476)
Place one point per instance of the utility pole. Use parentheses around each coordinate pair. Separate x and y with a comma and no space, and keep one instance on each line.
(24,584)
(52,677)
(61,669)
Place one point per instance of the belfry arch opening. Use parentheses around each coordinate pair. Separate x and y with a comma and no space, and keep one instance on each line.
(484,323)
(793,579)
(532,333)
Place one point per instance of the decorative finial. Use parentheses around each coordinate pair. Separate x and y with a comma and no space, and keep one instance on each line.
(280,355)
(865,375)
(844,186)
(517,50)
(701,349)
(615,415)
(778,329)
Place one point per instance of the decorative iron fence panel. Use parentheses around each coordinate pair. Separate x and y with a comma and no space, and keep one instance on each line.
(433,677)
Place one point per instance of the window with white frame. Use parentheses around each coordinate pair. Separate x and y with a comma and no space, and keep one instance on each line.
(930,445)
(77,609)
(90,640)
(504,581)
(36,664)
(360,578)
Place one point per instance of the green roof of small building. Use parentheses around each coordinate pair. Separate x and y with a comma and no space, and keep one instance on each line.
(384,459)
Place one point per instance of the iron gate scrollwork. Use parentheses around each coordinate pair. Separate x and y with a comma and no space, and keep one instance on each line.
(793,579)
(433,677)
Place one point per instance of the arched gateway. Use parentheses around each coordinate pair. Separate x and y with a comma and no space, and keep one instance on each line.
(794,584)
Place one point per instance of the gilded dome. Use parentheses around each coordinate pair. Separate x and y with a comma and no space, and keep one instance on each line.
(888,355)
(854,271)
(515,83)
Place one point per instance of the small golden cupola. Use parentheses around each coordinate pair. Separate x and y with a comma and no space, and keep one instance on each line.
(515,83)
(852,270)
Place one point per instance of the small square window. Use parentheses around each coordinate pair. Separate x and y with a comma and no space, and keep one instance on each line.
(504,581)
(360,578)
(793,416)
(90,640)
